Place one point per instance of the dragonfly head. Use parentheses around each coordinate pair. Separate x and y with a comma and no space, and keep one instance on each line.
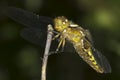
(61,23)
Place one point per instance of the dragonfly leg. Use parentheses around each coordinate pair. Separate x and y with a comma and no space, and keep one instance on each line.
(63,44)
(53,52)
(56,36)
(60,43)
(55,32)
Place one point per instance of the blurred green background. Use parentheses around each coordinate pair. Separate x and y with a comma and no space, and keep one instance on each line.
(20,59)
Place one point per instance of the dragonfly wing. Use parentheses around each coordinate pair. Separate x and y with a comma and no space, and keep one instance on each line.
(34,35)
(93,57)
(28,19)
(37,37)
(88,36)
(102,60)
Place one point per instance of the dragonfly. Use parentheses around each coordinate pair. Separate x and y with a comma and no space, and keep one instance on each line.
(69,36)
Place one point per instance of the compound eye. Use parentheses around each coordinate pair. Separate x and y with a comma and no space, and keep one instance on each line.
(64,22)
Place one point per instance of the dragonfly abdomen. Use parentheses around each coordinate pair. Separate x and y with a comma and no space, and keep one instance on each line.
(88,57)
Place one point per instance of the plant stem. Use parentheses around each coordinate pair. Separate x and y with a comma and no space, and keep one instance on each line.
(46,53)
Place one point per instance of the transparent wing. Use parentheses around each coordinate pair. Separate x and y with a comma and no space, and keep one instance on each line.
(28,19)
(88,36)
(92,57)
(35,36)
(102,61)
(36,27)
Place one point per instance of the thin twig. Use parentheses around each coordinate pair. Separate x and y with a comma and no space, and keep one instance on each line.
(47,48)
